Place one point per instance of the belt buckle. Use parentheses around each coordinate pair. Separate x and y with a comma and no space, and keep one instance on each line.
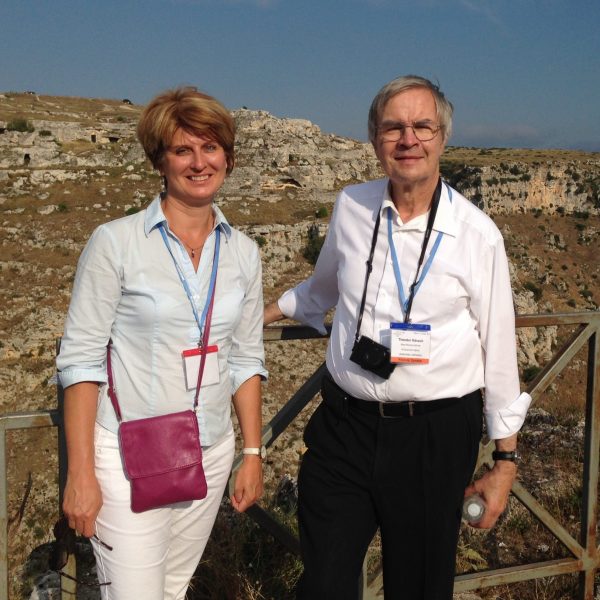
(409,403)
(382,412)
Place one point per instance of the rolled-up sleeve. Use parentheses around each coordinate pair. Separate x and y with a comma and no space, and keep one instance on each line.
(246,357)
(96,294)
(505,407)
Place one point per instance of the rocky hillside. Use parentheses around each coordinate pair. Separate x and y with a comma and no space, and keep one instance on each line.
(69,164)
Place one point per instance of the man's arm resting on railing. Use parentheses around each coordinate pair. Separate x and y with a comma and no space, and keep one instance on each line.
(82,498)
(273,313)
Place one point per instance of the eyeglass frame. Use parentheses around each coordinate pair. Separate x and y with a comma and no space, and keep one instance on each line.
(64,543)
(402,127)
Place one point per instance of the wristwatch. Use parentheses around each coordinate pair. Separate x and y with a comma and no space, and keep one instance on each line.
(262,452)
(512,456)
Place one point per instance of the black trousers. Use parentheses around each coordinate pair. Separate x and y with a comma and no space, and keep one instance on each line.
(406,476)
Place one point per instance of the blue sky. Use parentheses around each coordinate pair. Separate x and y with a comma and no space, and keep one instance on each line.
(520,73)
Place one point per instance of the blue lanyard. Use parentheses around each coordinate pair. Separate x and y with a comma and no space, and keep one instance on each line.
(184,282)
(415,287)
(406,303)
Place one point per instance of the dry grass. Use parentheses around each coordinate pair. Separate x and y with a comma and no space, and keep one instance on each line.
(479,157)
(87,111)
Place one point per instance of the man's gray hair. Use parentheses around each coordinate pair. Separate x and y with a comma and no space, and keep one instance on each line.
(443,106)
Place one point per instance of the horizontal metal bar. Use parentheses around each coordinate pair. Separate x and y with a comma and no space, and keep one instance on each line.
(27,420)
(292,332)
(543,320)
(552,568)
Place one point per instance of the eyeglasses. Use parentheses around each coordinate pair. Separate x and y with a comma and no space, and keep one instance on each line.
(64,546)
(393,132)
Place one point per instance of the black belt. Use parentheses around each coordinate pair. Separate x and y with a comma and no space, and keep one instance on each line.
(401,410)
(393,410)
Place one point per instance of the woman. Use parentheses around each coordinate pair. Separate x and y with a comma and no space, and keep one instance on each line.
(142,282)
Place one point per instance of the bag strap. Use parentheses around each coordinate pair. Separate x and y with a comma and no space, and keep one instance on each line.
(112,394)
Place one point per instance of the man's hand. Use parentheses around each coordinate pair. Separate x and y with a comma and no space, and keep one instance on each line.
(272,313)
(494,487)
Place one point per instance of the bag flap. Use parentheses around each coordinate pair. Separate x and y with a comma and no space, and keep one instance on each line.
(160,444)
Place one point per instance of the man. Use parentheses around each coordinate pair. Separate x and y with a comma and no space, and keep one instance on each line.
(424,322)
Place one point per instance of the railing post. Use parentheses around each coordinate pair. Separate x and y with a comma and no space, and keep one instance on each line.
(68,587)
(589,508)
(3,517)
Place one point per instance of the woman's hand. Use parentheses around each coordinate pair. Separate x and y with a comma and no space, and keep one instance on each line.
(248,486)
(82,500)
(82,497)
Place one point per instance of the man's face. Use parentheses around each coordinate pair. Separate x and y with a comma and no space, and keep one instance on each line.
(409,162)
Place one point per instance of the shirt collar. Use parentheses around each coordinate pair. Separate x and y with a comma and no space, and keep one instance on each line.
(444,219)
(155,216)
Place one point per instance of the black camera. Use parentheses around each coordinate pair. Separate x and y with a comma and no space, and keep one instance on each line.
(373,357)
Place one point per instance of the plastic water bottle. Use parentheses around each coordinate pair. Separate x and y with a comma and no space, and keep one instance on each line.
(473,508)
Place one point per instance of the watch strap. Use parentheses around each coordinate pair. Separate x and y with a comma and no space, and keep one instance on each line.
(512,455)
(262,452)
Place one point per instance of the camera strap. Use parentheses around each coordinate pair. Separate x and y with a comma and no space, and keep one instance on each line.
(368,274)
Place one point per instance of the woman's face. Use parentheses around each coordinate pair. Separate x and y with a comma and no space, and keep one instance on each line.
(194,167)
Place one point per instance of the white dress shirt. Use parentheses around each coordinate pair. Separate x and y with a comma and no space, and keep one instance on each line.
(465,297)
(127,289)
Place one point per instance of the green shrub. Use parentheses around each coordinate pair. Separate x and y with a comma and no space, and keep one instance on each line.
(132,210)
(321,212)
(529,373)
(62,207)
(45,132)
(260,240)
(313,245)
(536,289)
(22,125)
(581,214)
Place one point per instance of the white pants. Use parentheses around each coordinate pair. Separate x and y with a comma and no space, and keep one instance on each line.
(155,553)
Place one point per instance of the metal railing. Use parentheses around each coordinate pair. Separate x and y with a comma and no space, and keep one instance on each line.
(584,557)
(584,554)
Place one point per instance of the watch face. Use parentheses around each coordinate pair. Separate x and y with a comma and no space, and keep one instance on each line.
(263,452)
